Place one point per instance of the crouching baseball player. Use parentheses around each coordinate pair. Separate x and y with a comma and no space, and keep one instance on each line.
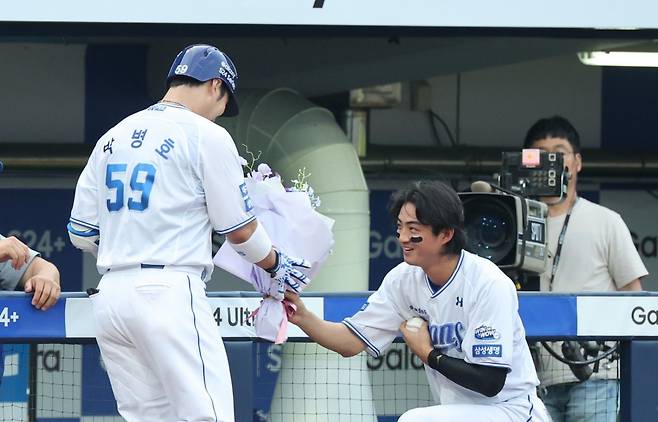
(154,188)
(471,340)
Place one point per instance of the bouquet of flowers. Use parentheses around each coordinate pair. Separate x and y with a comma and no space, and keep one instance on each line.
(289,217)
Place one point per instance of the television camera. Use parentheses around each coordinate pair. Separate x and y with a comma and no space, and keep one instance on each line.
(504,222)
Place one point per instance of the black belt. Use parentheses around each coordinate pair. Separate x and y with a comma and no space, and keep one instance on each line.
(144,267)
(152,266)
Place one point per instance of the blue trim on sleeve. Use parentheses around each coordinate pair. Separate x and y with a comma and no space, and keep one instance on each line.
(362,338)
(237,226)
(84,224)
(89,233)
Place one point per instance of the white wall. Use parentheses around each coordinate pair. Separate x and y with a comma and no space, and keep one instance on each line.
(497,105)
(641,221)
(42,97)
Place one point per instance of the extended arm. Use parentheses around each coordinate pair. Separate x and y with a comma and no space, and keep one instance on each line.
(253,244)
(332,335)
(486,380)
(632,286)
(84,238)
(263,254)
(12,249)
(42,278)
(28,272)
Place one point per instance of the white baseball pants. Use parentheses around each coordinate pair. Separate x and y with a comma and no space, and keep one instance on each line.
(527,408)
(161,347)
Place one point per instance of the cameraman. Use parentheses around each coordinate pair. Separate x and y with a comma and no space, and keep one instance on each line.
(596,254)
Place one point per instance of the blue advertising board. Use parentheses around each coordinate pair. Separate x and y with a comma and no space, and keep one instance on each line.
(96,391)
(385,252)
(14,370)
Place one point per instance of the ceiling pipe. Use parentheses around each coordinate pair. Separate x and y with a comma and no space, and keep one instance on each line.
(485,160)
(45,158)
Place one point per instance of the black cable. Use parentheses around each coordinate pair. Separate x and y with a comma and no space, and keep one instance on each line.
(595,359)
(458,109)
(445,126)
(436,132)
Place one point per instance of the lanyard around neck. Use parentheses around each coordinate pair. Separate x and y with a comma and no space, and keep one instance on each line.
(560,242)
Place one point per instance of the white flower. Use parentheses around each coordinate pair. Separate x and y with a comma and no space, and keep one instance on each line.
(265,170)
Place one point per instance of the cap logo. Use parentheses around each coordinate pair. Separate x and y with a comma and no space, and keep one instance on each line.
(228,69)
(180,69)
(227,77)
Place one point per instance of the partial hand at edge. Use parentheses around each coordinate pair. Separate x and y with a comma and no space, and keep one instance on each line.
(46,291)
(296,317)
(13,249)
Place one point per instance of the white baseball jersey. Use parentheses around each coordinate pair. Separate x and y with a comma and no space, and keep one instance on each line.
(156,184)
(474,317)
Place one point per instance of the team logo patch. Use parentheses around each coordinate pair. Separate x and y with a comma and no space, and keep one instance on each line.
(488,351)
(243,190)
(248,206)
(485,332)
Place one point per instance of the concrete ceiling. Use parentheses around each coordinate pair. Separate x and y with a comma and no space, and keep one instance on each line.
(320,65)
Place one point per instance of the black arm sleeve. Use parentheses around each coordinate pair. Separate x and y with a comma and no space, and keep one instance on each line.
(486,380)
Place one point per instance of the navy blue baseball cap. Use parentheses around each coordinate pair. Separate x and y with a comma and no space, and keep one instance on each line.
(204,62)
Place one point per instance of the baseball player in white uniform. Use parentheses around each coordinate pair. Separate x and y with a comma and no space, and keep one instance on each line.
(471,340)
(155,186)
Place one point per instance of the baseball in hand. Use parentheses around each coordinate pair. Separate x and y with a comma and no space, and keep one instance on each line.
(414,323)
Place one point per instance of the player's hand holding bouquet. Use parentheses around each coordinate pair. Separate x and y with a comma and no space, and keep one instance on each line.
(287,274)
(301,236)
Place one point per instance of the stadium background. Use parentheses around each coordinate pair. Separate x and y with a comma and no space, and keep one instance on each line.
(69,73)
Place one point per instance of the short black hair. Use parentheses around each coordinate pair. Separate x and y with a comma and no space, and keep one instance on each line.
(553,127)
(180,80)
(438,206)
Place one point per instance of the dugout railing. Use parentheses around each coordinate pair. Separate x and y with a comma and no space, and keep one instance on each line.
(53,371)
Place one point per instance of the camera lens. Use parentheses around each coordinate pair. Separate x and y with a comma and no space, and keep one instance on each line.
(491,231)
(490,228)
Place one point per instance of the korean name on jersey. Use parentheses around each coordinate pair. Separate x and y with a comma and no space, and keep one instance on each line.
(155,186)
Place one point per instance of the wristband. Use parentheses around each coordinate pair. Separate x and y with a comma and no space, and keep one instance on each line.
(274,267)
(256,248)
(433,359)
